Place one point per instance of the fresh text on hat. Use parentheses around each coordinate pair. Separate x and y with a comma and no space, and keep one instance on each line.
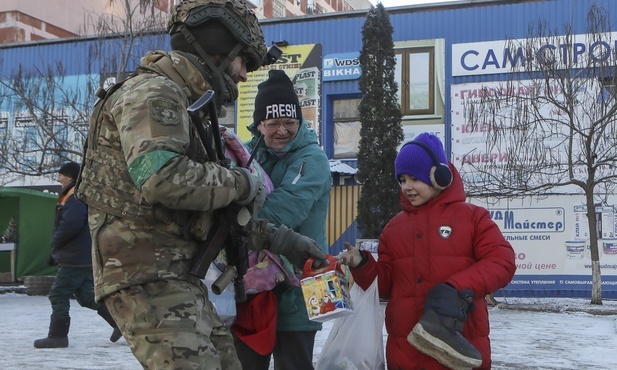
(281,110)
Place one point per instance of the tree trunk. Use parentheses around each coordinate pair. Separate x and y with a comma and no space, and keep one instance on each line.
(596,277)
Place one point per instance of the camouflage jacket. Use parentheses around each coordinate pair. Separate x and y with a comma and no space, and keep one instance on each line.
(147,178)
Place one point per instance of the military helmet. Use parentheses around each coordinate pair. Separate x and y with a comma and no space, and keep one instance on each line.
(233,14)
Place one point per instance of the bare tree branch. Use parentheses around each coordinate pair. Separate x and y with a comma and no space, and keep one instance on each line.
(554,120)
(50,111)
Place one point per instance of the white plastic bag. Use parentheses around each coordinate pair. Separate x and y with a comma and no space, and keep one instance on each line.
(356,341)
(225,303)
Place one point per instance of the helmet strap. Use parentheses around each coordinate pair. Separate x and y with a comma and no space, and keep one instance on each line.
(218,82)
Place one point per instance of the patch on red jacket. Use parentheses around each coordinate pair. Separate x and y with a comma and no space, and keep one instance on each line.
(445,232)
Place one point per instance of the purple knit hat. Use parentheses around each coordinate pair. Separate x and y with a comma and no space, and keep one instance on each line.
(414,160)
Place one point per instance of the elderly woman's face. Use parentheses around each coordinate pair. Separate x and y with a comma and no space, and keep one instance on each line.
(278,132)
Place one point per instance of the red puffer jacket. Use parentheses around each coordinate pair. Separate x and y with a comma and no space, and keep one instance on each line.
(415,254)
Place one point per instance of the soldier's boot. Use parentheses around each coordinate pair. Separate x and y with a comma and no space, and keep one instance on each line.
(58,333)
(104,313)
(438,333)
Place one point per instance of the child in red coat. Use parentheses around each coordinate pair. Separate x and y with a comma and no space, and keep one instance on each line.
(437,260)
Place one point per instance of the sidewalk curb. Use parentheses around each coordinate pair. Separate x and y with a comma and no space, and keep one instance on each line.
(592,310)
(13,289)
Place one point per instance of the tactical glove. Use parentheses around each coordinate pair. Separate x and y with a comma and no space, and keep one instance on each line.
(258,234)
(251,189)
(297,248)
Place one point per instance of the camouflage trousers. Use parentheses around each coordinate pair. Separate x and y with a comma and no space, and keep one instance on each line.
(172,325)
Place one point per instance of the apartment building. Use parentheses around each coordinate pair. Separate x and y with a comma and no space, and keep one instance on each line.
(287,8)
(33,20)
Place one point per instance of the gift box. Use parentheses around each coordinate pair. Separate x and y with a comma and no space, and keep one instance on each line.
(326,291)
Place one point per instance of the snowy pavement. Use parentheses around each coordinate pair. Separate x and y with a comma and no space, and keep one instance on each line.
(548,334)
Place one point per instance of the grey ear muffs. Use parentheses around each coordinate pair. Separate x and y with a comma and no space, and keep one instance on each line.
(441,176)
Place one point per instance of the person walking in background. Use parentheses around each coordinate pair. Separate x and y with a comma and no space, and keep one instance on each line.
(300,173)
(437,260)
(71,252)
(155,188)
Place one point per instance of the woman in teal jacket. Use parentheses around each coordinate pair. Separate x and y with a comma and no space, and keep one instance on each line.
(300,173)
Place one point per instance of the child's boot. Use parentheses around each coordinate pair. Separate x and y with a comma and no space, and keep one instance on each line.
(438,333)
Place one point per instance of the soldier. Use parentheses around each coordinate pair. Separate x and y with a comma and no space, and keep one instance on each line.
(152,189)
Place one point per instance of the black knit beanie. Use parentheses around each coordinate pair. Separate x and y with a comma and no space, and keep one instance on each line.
(70,169)
(276,98)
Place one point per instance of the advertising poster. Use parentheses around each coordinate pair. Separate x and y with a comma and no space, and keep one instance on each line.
(469,141)
(550,236)
(302,63)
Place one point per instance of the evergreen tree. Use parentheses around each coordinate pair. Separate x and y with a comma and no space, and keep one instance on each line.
(381,132)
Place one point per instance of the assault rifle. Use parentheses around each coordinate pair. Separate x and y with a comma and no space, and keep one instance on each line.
(228,231)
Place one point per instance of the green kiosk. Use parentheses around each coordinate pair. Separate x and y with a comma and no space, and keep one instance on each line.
(26,224)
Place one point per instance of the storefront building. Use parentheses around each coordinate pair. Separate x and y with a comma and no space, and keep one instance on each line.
(445,53)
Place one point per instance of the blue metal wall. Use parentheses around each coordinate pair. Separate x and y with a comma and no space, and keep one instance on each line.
(75,56)
(456,22)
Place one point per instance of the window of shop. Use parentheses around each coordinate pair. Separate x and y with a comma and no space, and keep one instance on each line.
(26,133)
(61,142)
(420,76)
(608,91)
(346,128)
(79,134)
(415,77)
(4,134)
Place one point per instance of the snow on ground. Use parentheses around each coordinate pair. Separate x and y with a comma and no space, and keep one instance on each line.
(526,333)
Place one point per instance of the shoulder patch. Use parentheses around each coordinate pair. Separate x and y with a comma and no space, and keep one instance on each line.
(164,111)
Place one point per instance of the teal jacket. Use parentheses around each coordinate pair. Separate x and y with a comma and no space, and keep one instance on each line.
(301,177)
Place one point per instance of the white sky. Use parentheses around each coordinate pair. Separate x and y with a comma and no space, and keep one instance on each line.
(391,3)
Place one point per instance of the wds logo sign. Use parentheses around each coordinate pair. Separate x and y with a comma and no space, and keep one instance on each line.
(345,66)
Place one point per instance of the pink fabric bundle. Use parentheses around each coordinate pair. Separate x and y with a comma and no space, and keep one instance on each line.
(239,156)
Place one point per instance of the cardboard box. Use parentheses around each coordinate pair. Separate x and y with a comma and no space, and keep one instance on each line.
(326,291)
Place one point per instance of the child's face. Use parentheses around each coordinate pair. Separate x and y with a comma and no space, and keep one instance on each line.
(416,191)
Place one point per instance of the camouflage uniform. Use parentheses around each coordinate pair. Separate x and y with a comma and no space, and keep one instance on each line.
(145,236)
(152,189)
